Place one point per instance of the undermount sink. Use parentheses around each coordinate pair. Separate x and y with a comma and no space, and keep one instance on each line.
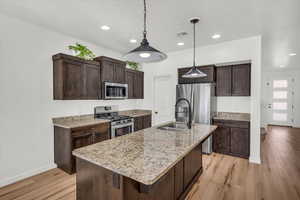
(174,126)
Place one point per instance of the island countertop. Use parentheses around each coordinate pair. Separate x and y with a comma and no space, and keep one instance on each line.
(145,155)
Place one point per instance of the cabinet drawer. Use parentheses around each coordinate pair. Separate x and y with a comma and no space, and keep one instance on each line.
(81,139)
(231,123)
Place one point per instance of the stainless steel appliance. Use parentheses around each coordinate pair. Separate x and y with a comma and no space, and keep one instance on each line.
(115,90)
(120,124)
(203,104)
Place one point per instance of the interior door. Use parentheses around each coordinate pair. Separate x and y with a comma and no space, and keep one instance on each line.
(280,102)
(163,104)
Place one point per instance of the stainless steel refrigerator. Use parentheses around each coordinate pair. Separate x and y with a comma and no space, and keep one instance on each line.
(203,103)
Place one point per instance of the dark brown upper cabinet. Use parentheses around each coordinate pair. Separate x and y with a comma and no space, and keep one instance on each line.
(224,81)
(241,80)
(233,80)
(112,70)
(135,81)
(75,78)
(209,70)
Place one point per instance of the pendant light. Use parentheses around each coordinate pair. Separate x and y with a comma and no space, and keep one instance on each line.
(145,53)
(194,72)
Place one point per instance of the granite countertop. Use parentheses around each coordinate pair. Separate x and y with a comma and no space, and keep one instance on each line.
(87,120)
(145,155)
(232,116)
(135,113)
(77,121)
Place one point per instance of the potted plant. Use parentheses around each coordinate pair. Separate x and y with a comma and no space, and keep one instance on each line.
(133,65)
(82,51)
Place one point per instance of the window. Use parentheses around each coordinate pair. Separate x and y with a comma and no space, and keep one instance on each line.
(280,106)
(280,94)
(280,84)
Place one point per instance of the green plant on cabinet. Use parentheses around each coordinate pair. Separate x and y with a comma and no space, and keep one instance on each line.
(82,51)
(133,65)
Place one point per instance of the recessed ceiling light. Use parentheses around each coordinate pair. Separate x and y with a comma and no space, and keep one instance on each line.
(292,54)
(180,43)
(216,36)
(105,27)
(281,66)
(132,41)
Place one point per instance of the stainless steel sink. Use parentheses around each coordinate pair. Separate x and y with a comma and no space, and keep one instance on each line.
(174,126)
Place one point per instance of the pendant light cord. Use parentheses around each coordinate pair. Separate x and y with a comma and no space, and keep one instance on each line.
(145,19)
(194,62)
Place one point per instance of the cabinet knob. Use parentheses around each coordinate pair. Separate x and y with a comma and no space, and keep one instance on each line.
(156,112)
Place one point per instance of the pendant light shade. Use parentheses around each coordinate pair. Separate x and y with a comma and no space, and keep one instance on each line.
(145,53)
(194,72)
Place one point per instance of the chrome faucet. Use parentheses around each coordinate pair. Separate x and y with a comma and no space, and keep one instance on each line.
(189,124)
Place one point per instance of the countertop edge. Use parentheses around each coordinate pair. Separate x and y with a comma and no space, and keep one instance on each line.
(81,125)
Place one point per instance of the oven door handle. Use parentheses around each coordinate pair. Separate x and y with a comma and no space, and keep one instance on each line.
(122,125)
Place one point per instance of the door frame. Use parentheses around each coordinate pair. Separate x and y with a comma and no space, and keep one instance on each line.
(155,77)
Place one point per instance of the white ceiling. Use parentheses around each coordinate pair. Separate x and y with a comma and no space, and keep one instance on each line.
(276,20)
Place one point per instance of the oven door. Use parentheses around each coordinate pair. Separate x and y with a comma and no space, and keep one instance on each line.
(115,90)
(123,129)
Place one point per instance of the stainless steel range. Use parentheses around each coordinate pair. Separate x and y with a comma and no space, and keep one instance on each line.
(120,124)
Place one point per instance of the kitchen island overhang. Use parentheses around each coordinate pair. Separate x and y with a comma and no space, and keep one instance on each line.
(143,164)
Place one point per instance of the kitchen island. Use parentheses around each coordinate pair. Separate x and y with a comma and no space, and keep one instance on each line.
(147,164)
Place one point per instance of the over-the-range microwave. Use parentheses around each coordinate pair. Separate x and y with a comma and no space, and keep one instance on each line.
(115,90)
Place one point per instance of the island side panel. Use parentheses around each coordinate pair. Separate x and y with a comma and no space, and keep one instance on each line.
(96,183)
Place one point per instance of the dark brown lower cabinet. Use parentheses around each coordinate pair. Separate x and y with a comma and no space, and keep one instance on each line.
(94,182)
(66,140)
(192,164)
(232,138)
(239,143)
(142,122)
(221,140)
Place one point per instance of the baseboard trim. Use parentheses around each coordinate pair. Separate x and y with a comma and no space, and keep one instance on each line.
(255,160)
(27,174)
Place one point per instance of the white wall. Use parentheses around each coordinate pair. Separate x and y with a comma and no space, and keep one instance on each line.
(281,73)
(26,105)
(238,50)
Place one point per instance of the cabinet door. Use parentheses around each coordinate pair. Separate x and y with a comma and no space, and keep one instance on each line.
(178,179)
(101,133)
(147,121)
(192,164)
(221,140)
(138,91)
(223,81)
(130,81)
(240,141)
(119,73)
(107,71)
(72,80)
(91,82)
(241,81)
(138,123)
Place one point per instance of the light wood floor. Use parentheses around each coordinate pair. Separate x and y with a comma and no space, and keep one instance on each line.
(224,177)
